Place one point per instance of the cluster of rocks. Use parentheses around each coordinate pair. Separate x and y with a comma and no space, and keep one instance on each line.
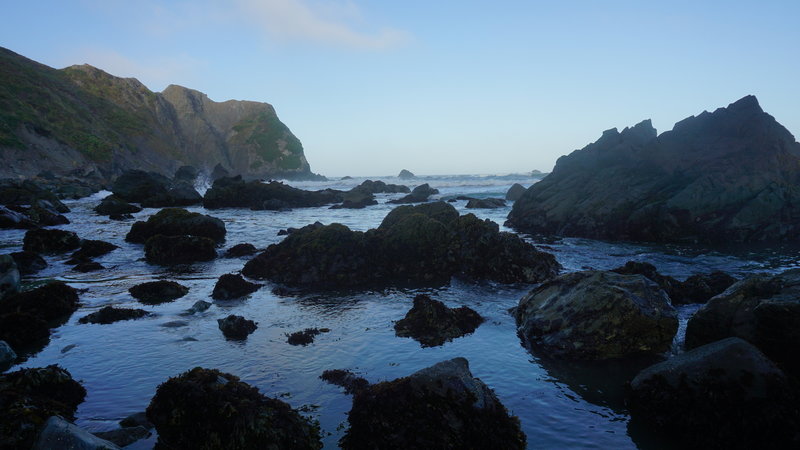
(419,194)
(26,204)
(363,195)
(429,242)
(698,288)
(177,236)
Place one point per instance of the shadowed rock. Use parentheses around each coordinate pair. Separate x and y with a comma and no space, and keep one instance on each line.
(7,356)
(696,289)
(419,194)
(346,379)
(110,314)
(431,323)
(169,250)
(59,433)
(50,241)
(232,286)
(236,327)
(177,222)
(233,192)
(112,205)
(124,436)
(92,249)
(29,263)
(304,337)
(157,292)
(486,203)
(240,250)
(515,192)
(9,276)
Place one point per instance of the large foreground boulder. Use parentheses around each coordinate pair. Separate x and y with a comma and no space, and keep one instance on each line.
(209,409)
(728,176)
(177,222)
(50,241)
(442,406)
(169,250)
(596,315)
(28,397)
(26,317)
(233,192)
(424,243)
(431,323)
(761,309)
(726,394)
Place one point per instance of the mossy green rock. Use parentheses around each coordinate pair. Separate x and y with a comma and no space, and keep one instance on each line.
(176,222)
(206,409)
(596,315)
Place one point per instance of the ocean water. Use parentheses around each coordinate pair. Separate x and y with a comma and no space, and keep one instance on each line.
(560,405)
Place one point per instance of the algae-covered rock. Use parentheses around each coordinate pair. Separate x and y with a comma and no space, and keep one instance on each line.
(207,409)
(28,263)
(597,315)
(53,301)
(232,286)
(233,192)
(114,205)
(157,292)
(419,194)
(29,397)
(169,250)
(177,222)
(304,337)
(442,406)
(92,248)
(726,394)
(431,323)
(50,241)
(346,379)
(110,314)
(236,327)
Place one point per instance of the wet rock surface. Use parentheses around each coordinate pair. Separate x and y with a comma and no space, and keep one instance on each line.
(596,315)
(236,327)
(28,397)
(233,192)
(761,309)
(431,323)
(110,314)
(170,250)
(209,409)
(425,243)
(177,222)
(442,406)
(696,289)
(726,394)
(232,286)
(50,241)
(157,292)
(112,205)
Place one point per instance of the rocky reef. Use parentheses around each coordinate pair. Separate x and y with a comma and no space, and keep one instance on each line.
(727,176)
(234,192)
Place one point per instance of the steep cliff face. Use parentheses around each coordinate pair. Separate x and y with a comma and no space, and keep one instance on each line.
(732,175)
(80,119)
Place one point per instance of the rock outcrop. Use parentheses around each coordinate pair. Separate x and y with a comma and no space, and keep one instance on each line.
(515,192)
(234,192)
(597,315)
(431,323)
(419,194)
(236,327)
(726,394)
(232,286)
(761,309)
(110,314)
(442,406)
(168,250)
(81,120)
(26,317)
(405,175)
(698,288)
(59,433)
(728,176)
(157,292)
(209,409)
(50,241)
(486,203)
(425,243)
(177,222)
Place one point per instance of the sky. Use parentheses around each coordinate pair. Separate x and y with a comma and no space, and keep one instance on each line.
(437,87)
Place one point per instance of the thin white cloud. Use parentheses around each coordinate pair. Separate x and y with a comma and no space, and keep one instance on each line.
(330,23)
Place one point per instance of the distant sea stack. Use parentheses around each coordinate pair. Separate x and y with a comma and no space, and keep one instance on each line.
(79,120)
(728,176)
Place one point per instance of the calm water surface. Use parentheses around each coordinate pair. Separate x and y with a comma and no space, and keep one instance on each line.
(560,405)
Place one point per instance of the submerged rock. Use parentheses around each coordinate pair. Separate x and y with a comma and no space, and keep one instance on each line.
(233,192)
(29,263)
(29,397)
(428,243)
(761,309)
(113,205)
(59,433)
(9,276)
(88,266)
(597,315)
(230,286)
(50,241)
(236,327)
(209,409)
(726,176)
(304,337)
(7,356)
(240,250)
(431,323)
(515,192)
(157,292)
(442,406)
(177,222)
(346,379)
(726,394)
(486,203)
(199,306)
(169,250)
(110,314)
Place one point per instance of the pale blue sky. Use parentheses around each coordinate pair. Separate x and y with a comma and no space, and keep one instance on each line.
(440,87)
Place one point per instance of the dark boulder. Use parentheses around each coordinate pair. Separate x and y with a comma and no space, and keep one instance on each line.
(431,323)
(230,286)
(700,287)
(58,433)
(50,241)
(28,193)
(23,331)
(185,173)
(15,220)
(379,187)
(761,309)
(486,203)
(356,199)
(28,397)
(346,379)
(91,248)
(199,306)
(209,409)
(236,327)
(671,286)
(53,301)
(177,222)
(597,315)
(157,292)
(304,337)
(721,177)
(120,217)
(178,194)
(9,276)
(138,186)
(113,205)
(219,172)
(239,250)
(124,436)
(88,266)
(29,263)
(7,356)
(726,394)
(169,250)
(234,192)
(442,406)
(138,419)
(515,192)
(424,243)
(406,175)
(43,213)
(419,194)
(110,314)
